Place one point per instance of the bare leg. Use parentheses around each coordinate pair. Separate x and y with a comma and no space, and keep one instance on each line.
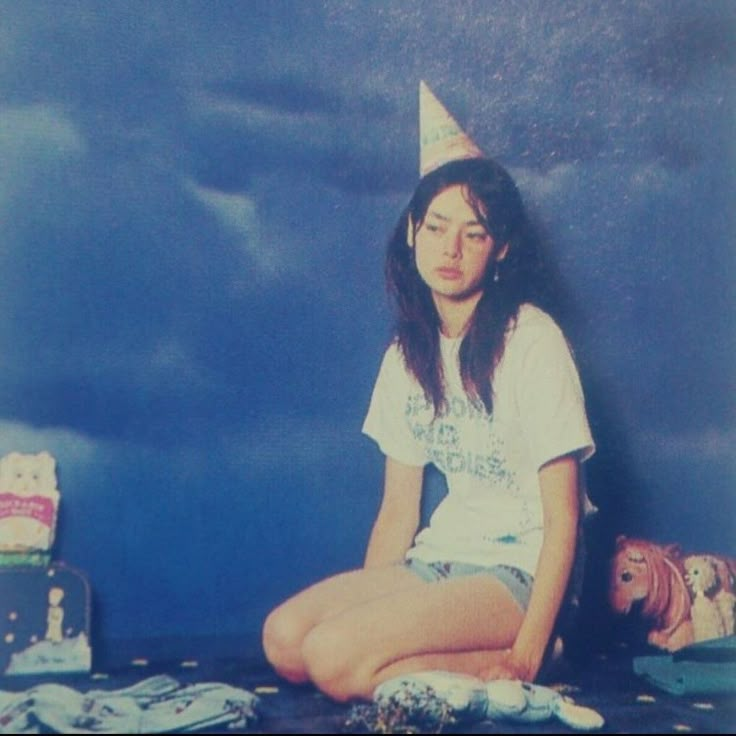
(471,663)
(287,626)
(459,624)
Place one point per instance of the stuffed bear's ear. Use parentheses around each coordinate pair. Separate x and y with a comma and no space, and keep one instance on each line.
(46,466)
(46,461)
(9,462)
(13,457)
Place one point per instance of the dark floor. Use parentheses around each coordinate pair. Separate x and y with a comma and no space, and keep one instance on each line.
(606,683)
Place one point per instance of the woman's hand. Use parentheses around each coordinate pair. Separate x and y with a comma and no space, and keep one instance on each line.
(510,666)
(558,481)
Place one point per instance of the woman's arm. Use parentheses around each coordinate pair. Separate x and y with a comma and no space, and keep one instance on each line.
(398,517)
(560,502)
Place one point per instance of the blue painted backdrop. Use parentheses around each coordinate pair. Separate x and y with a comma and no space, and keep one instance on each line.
(194,201)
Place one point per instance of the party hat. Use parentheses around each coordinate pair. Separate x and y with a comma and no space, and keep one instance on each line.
(441,139)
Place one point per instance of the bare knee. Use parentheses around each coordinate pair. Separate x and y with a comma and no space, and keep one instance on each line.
(282,637)
(334,665)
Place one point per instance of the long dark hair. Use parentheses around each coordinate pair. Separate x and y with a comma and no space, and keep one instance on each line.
(523,277)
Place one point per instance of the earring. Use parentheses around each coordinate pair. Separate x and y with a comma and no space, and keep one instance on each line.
(410,233)
(496,276)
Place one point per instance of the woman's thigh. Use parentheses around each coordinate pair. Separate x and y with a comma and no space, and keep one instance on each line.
(294,618)
(467,614)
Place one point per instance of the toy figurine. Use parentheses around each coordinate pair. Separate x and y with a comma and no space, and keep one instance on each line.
(55,616)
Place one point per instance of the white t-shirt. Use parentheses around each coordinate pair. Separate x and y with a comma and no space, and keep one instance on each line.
(492,513)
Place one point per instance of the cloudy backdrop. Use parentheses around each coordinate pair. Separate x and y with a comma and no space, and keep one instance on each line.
(195,198)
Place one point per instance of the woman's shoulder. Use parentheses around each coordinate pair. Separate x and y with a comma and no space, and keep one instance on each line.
(534,338)
(393,351)
(393,371)
(532,321)
(393,357)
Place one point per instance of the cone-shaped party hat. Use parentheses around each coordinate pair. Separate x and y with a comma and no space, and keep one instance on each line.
(440,137)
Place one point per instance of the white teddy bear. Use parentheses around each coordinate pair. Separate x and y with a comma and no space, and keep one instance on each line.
(29,501)
(712,609)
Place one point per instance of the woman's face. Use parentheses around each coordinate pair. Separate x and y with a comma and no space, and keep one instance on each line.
(453,248)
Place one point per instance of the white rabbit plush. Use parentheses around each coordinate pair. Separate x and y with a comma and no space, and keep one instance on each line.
(434,697)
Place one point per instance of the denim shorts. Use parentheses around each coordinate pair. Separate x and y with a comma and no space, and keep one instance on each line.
(518,582)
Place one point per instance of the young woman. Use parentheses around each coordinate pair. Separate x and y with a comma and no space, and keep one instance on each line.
(480,382)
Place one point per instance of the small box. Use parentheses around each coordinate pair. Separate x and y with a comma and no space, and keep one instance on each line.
(44,620)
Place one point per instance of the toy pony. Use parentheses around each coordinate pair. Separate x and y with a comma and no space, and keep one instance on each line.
(651,575)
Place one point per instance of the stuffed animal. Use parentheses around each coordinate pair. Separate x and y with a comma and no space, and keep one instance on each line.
(712,609)
(651,574)
(725,568)
(435,698)
(700,575)
(726,602)
(29,501)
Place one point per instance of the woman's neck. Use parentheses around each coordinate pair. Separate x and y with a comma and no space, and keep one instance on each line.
(456,314)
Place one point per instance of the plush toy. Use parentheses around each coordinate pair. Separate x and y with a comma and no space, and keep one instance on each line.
(712,609)
(437,698)
(700,575)
(651,574)
(725,568)
(29,501)
(727,606)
